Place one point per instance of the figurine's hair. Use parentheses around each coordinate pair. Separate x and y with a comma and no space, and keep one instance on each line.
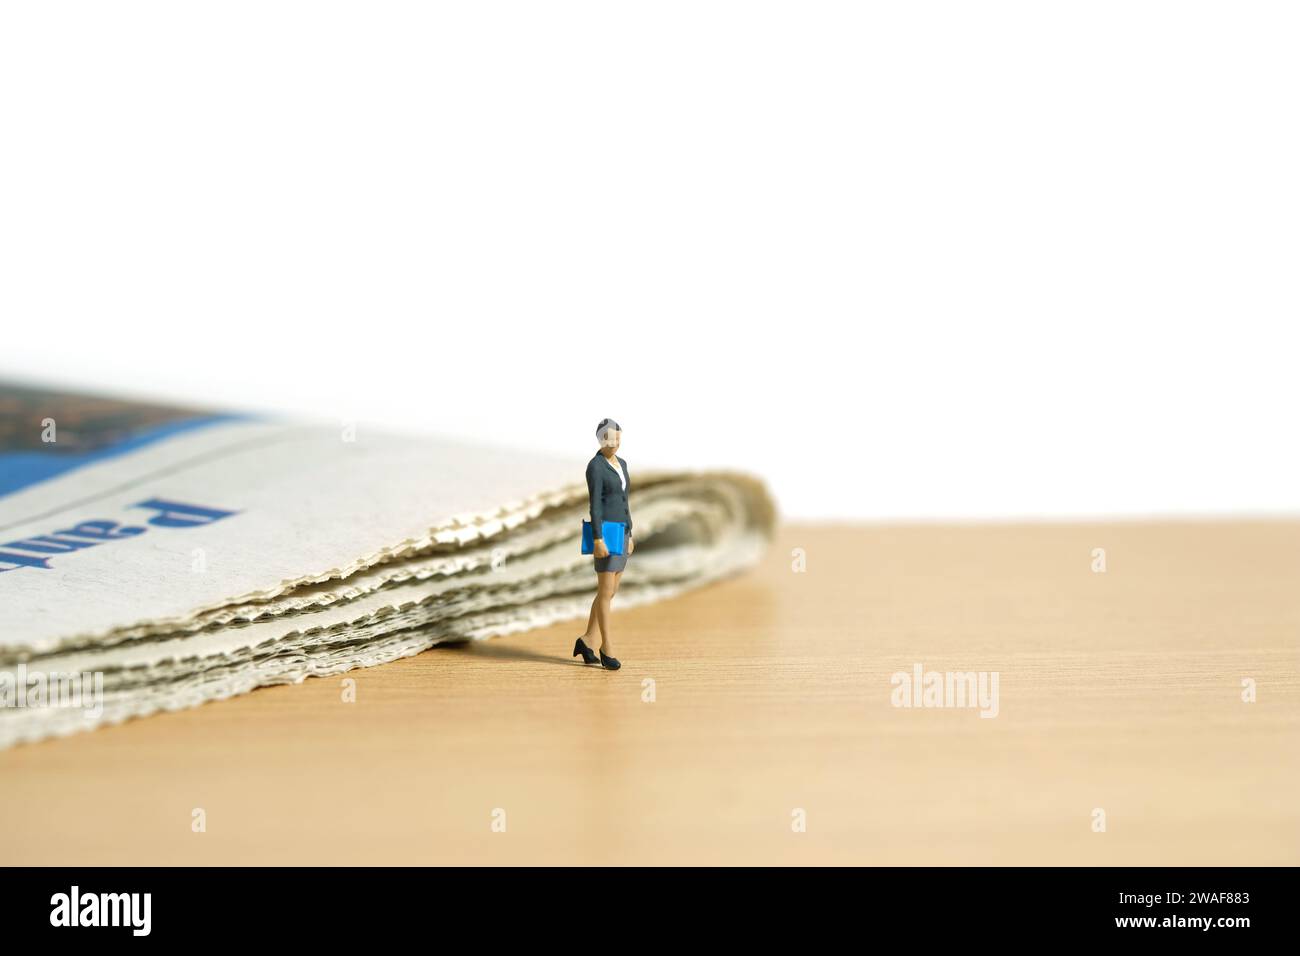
(605,425)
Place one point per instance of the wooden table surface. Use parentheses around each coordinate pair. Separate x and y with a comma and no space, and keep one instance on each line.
(1118,691)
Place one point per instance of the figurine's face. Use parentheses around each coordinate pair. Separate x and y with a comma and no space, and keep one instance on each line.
(613,438)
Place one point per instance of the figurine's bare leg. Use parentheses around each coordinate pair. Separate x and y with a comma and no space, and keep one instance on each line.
(606,584)
(618,579)
(591,633)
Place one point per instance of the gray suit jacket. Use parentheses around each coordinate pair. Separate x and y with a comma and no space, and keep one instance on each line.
(608,497)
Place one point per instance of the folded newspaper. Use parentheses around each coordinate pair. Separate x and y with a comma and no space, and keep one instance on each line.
(154,558)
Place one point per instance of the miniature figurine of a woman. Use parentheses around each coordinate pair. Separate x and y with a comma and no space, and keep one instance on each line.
(607,484)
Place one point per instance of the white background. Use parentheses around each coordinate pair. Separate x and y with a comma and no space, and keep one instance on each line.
(902,259)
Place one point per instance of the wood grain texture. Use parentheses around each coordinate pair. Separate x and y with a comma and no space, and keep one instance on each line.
(1119,691)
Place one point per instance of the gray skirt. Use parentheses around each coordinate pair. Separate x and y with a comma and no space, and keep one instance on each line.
(615,562)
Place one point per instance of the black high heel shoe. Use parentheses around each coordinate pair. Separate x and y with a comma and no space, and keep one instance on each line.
(609,663)
(588,655)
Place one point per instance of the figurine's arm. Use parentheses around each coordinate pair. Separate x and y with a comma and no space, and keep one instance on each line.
(597,506)
(628,475)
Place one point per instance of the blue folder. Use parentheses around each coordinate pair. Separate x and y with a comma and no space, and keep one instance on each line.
(612,532)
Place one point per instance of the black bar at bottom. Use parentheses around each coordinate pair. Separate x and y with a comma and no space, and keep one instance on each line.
(1219,905)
